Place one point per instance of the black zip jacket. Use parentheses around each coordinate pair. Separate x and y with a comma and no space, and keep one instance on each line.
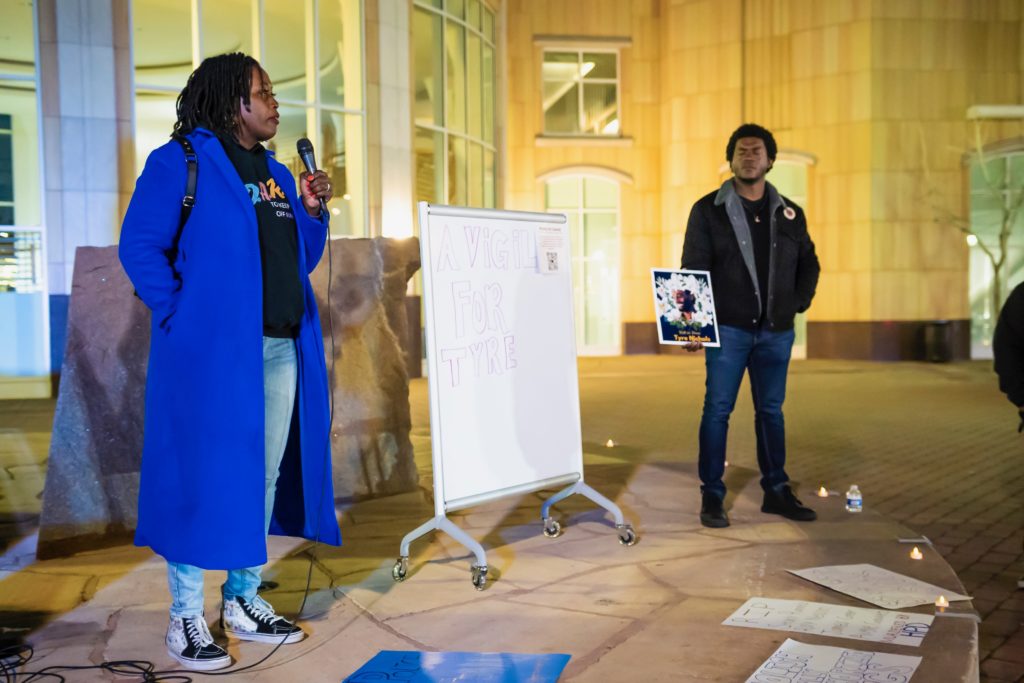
(1008,347)
(718,240)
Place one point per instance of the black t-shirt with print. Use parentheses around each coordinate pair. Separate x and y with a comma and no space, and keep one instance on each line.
(279,250)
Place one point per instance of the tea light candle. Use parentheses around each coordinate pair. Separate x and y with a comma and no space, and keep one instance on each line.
(610,444)
(916,554)
(822,492)
(942,602)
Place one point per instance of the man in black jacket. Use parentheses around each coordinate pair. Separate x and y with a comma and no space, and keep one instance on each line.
(764,271)
(1008,350)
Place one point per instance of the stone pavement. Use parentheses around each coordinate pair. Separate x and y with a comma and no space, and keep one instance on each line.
(934,448)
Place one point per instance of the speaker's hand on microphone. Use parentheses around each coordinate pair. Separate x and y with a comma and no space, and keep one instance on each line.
(315,186)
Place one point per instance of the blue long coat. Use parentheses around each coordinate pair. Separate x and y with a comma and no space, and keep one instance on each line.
(201,495)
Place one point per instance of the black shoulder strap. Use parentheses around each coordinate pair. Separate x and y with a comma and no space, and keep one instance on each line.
(189,199)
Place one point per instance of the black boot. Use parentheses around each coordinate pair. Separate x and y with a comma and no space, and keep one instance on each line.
(784,502)
(712,514)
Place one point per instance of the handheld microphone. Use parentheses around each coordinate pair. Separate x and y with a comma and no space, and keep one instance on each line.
(305,149)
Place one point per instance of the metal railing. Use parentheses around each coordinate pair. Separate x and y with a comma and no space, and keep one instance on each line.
(21,259)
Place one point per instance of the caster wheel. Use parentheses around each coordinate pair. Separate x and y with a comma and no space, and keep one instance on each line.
(479,577)
(552,529)
(627,536)
(401,569)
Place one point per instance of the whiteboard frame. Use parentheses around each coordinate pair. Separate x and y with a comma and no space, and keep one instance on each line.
(441,504)
(572,482)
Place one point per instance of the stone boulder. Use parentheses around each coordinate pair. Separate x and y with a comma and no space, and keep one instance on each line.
(369,379)
(92,478)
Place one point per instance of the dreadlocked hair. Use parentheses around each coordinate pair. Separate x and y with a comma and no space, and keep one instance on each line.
(210,97)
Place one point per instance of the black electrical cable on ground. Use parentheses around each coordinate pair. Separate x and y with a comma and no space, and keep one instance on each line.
(17,656)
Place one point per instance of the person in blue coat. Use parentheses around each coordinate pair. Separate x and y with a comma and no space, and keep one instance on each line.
(237,413)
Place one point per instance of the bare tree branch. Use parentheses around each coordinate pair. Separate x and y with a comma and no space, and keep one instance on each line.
(1008,196)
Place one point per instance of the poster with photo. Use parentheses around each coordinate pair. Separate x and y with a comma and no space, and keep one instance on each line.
(684,307)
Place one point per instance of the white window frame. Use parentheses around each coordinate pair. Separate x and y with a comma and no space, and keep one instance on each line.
(583,82)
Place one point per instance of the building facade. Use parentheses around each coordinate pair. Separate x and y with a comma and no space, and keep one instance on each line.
(899,125)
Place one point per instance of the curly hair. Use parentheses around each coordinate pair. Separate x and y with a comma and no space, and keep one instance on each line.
(210,97)
(752,130)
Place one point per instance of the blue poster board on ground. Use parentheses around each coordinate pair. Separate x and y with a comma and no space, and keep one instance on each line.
(448,667)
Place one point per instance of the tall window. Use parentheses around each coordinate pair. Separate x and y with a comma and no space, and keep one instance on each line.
(24,324)
(997,186)
(454,102)
(20,193)
(592,206)
(6,170)
(313,51)
(790,177)
(581,92)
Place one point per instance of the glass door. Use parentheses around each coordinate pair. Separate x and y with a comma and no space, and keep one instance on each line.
(592,207)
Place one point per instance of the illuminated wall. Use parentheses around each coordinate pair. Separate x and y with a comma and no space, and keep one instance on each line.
(627,153)
(873,94)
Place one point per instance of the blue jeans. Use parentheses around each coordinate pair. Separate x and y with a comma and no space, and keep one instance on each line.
(280,376)
(765,356)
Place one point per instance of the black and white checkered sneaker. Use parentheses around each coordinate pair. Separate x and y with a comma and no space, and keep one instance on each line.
(189,641)
(256,620)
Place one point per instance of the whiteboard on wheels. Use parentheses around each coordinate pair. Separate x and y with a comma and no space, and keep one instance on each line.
(501,353)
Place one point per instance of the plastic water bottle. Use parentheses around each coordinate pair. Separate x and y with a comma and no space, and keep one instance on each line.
(854,501)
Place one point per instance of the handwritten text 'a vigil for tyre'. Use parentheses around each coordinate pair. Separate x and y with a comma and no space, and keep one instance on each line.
(484,343)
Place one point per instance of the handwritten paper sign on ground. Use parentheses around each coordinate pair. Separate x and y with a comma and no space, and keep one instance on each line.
(876,585)
(799,616)
(796,662)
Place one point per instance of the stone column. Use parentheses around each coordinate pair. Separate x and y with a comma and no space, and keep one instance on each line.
(86,100)
(389,111)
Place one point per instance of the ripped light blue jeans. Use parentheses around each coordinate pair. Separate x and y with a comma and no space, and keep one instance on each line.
(280,377)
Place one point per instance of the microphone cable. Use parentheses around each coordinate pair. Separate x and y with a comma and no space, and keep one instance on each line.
(14,657)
